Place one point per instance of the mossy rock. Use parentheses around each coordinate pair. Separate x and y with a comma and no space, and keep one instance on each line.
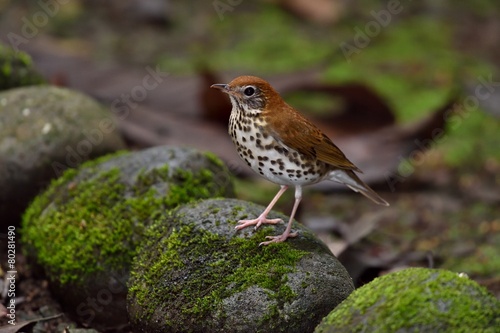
(85,228)
(43,131)
(416,300)
(16,69)
(196,273)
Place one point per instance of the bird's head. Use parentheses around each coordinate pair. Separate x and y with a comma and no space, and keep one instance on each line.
(249,93)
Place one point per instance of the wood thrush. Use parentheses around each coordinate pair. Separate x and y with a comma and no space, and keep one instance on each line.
(278,143)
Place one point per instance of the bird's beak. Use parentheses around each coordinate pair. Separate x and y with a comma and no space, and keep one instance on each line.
(222,87)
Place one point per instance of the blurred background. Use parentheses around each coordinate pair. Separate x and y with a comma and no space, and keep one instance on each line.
(410,90)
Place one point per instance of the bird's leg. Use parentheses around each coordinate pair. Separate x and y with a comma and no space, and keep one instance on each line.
(288,231)
(262,219)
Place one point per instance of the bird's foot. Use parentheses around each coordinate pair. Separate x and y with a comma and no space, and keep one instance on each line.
(256,222)
(278,239)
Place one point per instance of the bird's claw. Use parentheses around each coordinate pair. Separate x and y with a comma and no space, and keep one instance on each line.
(279,239)
(257,222)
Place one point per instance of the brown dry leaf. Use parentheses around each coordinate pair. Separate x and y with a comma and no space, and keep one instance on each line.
(363,109)
(317,11)
(17,328)
(215,105)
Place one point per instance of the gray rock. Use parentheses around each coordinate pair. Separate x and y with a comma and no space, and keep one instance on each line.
(84,229)
(44,130)
(197,274)
(416,300)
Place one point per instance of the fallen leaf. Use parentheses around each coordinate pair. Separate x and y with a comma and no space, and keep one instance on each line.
(363,109)
(215,105)
(18,326)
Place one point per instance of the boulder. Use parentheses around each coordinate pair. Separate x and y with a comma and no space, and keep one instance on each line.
(416,300)
(43,131)
(195,273)
(85,228)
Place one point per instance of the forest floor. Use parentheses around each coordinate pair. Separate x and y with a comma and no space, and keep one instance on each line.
(445,204)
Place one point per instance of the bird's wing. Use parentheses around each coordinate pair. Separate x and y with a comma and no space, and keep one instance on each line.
(329,153)
(300,134)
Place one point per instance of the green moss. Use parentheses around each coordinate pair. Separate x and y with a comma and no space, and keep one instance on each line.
(298,45)
(91,220)
(407,63)
(229,267)
(214,159)
(463,147)
(16,69)
(421,299)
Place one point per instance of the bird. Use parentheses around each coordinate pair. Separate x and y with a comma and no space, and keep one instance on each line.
(284,147)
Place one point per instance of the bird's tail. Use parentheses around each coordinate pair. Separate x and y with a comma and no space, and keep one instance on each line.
(350,179)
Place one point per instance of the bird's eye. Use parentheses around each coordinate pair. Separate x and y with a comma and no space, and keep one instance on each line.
(249,91)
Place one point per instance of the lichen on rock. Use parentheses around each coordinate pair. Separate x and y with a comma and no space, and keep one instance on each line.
(16,69)
(43,131)
(416,300)
(85,228)
(196,273)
